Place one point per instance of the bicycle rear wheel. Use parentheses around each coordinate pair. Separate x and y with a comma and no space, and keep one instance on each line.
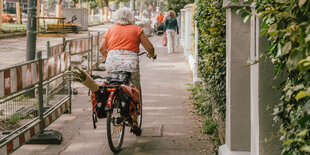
(115,130)
(139,119)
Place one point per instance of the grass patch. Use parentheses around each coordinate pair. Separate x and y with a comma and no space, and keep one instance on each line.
(15,119)
(209,126)
(20,98)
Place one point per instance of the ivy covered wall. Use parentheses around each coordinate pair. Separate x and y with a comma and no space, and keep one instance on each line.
(286,24)
(209,97)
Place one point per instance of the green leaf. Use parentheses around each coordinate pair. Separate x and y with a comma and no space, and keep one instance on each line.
(304,64)
(287,47)
(293,59)
(301,3)
(305,148)
(279,51)
(302,94)
(288,141)
(307,38)
(239,11)
(282,1)
(306,107)
(272,28)
(303,133)
(246,18)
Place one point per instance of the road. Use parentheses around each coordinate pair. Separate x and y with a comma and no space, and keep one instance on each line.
(13,51)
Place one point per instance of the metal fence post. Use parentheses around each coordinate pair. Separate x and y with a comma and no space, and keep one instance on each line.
(69,82)
(63,50)
(91,53)
(48,83)
(98,46)
(39,56)
(63,44)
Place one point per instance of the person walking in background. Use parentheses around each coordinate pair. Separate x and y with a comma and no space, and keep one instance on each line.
(160,18)
(171,27)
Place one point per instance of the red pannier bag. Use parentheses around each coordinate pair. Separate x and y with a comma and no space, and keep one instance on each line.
(132,97)
(98,101)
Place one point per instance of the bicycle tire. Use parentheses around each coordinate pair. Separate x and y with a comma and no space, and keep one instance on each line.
(139,119)
(114,147)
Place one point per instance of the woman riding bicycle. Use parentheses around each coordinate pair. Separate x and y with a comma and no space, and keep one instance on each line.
(120,47)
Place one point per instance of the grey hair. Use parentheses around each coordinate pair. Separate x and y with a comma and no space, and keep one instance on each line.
(124,16)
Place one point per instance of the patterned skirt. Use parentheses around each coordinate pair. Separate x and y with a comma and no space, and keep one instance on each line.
(124,60)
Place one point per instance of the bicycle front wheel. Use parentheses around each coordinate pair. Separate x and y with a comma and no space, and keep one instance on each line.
(115,130)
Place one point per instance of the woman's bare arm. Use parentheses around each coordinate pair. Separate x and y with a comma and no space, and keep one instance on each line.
(147,45)
(103,47)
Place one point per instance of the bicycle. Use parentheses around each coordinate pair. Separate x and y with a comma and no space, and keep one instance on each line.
(117,100)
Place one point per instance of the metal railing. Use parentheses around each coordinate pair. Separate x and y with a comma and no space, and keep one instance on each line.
(35,93)
(23,103)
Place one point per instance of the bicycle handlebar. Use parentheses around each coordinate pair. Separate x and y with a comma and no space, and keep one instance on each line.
(154,58)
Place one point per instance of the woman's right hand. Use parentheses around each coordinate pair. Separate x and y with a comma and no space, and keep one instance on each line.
(154,56)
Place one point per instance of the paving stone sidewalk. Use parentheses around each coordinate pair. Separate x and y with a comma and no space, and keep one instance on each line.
(165,104)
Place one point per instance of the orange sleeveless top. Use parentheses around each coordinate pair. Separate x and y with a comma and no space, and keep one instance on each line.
(125,37)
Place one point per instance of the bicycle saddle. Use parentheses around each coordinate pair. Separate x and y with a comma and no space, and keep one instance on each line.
(119,76)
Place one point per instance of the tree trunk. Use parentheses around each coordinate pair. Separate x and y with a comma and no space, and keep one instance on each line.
(38,7)
(106,10)
(101,14)
(92,15)
(58,8)
(18,14)
(42,10)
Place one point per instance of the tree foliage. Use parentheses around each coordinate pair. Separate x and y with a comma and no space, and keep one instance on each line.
(177,5)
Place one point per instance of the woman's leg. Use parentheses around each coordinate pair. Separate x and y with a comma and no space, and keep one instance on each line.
(172,40)
(135,79)
(169,41)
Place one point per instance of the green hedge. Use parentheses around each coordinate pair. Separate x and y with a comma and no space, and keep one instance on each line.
(210,96)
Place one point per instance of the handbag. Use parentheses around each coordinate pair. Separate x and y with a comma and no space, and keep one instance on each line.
(164,40)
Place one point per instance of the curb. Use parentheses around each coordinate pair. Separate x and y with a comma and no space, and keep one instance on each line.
(96,24)
(15,35)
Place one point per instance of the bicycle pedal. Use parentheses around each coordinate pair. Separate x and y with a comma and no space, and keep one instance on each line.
(136,130)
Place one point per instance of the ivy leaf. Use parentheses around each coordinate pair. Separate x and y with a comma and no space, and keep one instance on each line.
(304,64)
(288,141)
(302,94)
(272,28)
(279,51)
(306,107)
(301,3)
(293,59)
(305,148)
(282,1)
(287,47)
(246,18)
(307,38)
(303,133)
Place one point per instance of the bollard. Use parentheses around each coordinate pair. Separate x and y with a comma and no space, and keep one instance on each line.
(39,57)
